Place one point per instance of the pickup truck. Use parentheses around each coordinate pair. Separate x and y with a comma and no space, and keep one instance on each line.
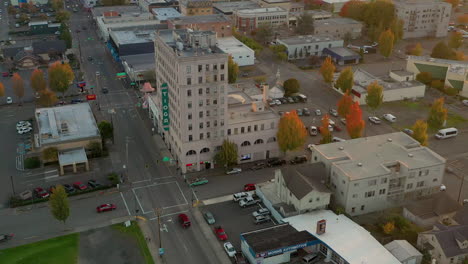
(248,201)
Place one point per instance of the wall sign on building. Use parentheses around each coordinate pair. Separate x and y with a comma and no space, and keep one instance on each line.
(165,106)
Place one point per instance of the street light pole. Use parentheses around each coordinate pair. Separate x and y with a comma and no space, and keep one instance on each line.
(12,185)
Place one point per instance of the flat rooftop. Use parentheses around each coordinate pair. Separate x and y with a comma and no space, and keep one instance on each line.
(100,10)
(165,13)
(66,123)
(122,37)
(228,8)
(276,1)
(459,67)
(262,10)
(232,45)
(297,40)
(215,18)
(369,156)
(349,240)
(276,237)
(173,36)
(339,21)
(140,62)
(343,52)
(362,79)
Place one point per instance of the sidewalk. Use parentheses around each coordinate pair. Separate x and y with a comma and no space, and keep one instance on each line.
(152,245)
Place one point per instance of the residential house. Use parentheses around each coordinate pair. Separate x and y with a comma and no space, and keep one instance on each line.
(446,244)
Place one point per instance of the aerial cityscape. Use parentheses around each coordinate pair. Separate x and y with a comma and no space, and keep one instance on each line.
(234,131)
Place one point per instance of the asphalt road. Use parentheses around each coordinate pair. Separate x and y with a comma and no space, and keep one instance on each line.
(4,23)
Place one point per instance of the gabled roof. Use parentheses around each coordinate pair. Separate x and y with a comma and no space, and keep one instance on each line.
(41,47)
(11,52)
(447,238)
(436,205)
(301,180)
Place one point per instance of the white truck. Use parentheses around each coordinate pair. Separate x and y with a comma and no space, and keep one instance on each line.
(248,201)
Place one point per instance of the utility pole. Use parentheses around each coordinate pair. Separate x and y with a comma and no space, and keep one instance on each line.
(12,185)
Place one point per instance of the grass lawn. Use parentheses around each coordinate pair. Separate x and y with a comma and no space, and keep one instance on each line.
(454,120)
(135,232)
(57,250)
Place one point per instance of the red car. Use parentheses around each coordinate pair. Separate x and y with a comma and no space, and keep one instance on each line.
(249,187)
(336,128)
(5,74)
(80,186)
(105,208)
(220,233)
(184,220)
(41,193)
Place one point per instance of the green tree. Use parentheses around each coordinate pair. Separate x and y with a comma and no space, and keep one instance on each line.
(107,130)
(305,24)
(50,154)
(56,4)
(456,40)
(60,77)
(442,51)
(327,70)
(227,156)
(346,80)
(420,132)
(424,77)
(417,50)
(326,134)
(62,16)
(437,114)
(59,205)
(23,19)
(374,96)
(291,86)
(95,149)
(386,41)
(264,33)
(344,104)
(233,70)
(66,35)
(291,133)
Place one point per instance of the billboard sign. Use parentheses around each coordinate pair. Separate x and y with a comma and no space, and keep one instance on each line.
(321,226)
(91,97)
(165,106)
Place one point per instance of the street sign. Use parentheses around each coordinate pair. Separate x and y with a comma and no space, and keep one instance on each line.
(81,84)
(161,251)
(121,75)
(91,97)
(166,159)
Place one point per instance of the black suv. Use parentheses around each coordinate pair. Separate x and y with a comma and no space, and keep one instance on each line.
(94,184)
(298,160)
(68,188)
(275,162)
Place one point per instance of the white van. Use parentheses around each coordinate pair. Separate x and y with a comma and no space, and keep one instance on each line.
(446,133)
(390,118)
(311,258)
(313,131)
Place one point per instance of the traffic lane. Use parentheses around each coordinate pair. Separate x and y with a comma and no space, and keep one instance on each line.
(39,224)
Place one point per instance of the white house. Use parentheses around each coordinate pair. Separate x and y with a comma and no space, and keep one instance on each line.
(241,54)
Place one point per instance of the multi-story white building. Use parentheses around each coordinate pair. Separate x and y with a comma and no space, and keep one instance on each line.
(240,53)
(423,18)
(190,107)
(248,20)
(300,47)
(374,173)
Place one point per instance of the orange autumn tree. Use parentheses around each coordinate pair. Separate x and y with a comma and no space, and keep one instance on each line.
(354,123)
(18,86)
(326,134)
(344,104)
(291,133)
(38,82)
(327,70)
(60,77)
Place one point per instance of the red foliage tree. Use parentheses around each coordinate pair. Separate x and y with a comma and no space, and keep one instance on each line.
(354,123)
(344,104)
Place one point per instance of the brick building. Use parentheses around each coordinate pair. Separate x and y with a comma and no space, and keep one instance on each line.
(217,23)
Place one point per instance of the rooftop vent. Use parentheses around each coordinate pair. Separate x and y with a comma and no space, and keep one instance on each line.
(359,164)
(410,155)
(389,140)
(341,148)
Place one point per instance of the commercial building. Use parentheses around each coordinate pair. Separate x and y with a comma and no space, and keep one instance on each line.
(284,4)
(239,52)
(374,173)
(315,14)
(249,20)
(149,5)
(196,7)
(399,85)
(43,27)
(228,8)
(446,244)
(423,18)
(131,42)
(139,68)
(22,2)
(218,23)
(70,129)
(300,47)
(334,5)
(453,73)
(163,14)
(404,252)
(194,108)
(338,27)
(342,56)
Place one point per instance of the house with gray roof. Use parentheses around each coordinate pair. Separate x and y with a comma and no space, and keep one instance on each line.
(404,252)
(446,244)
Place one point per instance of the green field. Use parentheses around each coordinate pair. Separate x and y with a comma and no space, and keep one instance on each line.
(57,250)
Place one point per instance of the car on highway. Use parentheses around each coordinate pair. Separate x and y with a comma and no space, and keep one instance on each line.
(41,193)
(249,187)
(273,162)
(230,250)
(68,188)
(261,211)
(94,184)
(220,234)
(239,196)
(105,208)
(234,171)
(197,181)
(260,219)
(298,159)
(184,220)
(209,217)
(80,186)
(374,120)
(333,112)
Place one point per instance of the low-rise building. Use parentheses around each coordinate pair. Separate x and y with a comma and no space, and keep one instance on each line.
(446,244)
(334,5)
(139,68)
(404,252)
(43,27)
(284,4)
(163,14)
(249,20)
(338,27)
(300,47)
(131,42)
(239,52)
(454,73)
(149,5)
(342,56)
(218,23)
(228,8)
(196,7)
(400,85)
(374,173)
(22,2)
(315,14)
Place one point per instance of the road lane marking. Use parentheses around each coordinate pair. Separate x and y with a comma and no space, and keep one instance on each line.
(218,200)
(181,192)
(125,202)
(141,181)
(166,215)
(167,207)
(138,201)
(154,184)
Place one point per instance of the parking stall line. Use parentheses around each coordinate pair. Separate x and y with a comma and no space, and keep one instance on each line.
(218,200)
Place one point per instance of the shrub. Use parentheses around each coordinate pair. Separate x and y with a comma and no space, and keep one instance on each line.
(113,178)
(32,163)
(437,84)
(424,77)
(450,91)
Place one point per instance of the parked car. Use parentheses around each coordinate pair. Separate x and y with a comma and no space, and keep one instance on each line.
(230,250)
(184,220)
(24,130)
(239,196)
(104,90)
(9,100)
(76,101)
(249,187)
(333,112)
(239,257)
(298,159)
(22,124)
(219,231)
(336,127)
(262,219)
(299,112)
(313,131)
(374,120)
(290,100)
(209,217)
(234,171)
(281,113)
(273,162)
(306,111)
(68,188)
(343,120)
(248,201)
(5,74)
(277,102)
(389,117)
(197,181)
(94,184)
(105,207)
(283,100)
(318,112)
(80,186)
(408,131)
(258,166)
(465,102)
(41,193)
(261,211)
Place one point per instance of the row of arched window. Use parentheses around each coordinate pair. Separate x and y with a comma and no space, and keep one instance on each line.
(244,144)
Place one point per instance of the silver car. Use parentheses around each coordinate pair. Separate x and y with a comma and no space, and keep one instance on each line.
(209,218)
(234,171)
(318,112)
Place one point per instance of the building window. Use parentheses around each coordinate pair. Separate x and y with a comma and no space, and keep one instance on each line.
(434,180)
(215,78)
(242,130)
(382,191)
(201,136)
(200,125)
(189,81)
(353,209)
(383,181)
(354,195)
(372,182)
(207,134)
(249,129)
(200,102)
(189,105)
(189,69)
(191,152)
(215,67)
(255,127)
(245,143)
(200,91)
(207,101)
(369,194)
(409,186)
(222,66)
(236,130)
(222,77)
(215,101)
(412,174)
(189,116)
(190,127)
(189,93)
(200,114)
(229,131)
(208,124)
(362,207)
(262,127)
(190,138)
(420,184)
(205,150)
(356,184)
(207,90)
(200,68)
(200,79)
